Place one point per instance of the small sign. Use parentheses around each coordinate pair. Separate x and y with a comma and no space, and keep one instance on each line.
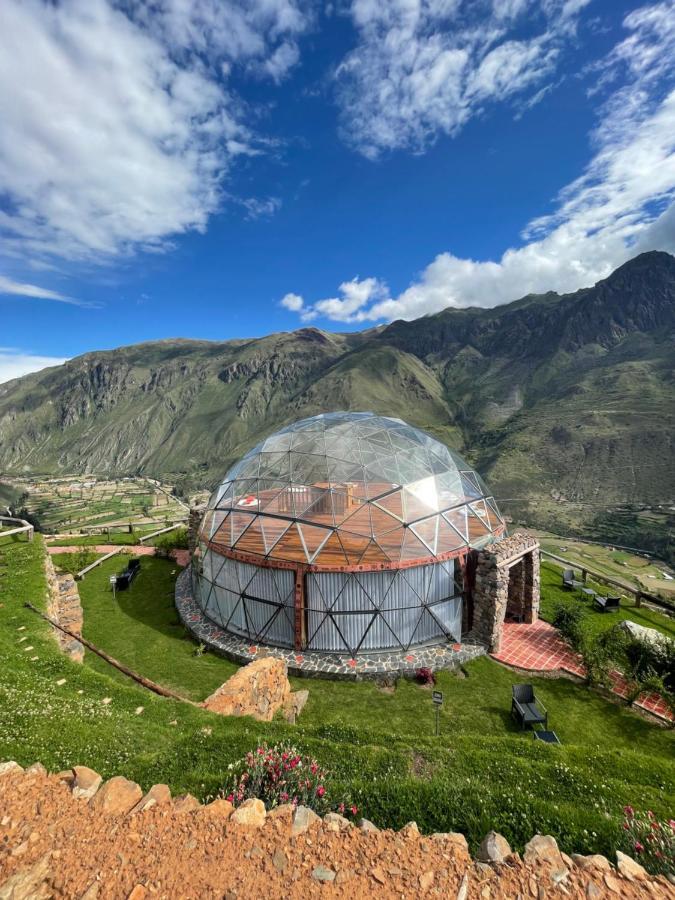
(113,579)
(437,697)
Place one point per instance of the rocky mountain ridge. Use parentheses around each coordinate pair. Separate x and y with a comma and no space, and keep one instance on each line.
(565,403)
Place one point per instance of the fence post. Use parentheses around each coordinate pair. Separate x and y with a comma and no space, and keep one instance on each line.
(583,575)
(638,599)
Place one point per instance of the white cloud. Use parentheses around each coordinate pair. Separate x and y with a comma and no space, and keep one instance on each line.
(260,208)
(620,206)
(15,363)
(22,289)
(117,124)
(425,67)
(294,302)
(356,295)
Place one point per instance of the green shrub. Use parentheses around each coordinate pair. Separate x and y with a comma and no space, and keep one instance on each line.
(569,622)
(172,540)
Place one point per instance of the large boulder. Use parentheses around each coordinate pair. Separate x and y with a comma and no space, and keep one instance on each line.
(258,689)
(117,797)
(646,635)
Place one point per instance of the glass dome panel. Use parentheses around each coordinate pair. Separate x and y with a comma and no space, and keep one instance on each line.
(357,489)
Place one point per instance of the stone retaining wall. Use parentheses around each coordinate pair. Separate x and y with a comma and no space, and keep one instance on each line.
(64,607)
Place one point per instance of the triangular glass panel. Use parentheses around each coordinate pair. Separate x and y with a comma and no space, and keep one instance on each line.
(420,499)
(391,543)
(471,489)
(457,518)
(245,493)
(332,553)
(391,503)
(274,465)
(252,540)
(427,531)
(273,530)
(358,521)
(281,503)
(289,546)
(413,548)
(237,523)
(373,554)
(448,538)
(320,510)
(478,506)
(278,442)
(478,530)
(354,546)
(312,538)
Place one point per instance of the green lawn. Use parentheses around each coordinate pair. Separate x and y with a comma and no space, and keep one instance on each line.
(481,773)
(117,537)
(141,627)
(595,621)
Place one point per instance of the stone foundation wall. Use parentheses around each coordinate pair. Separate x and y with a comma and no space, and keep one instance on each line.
(507,579)
(65,608)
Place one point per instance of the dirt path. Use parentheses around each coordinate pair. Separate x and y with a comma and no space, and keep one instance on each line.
(53,844)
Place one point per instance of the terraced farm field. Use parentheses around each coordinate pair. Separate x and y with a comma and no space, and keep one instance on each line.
(71,504)
(652,575)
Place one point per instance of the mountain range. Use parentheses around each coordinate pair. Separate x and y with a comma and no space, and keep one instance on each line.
(565,403)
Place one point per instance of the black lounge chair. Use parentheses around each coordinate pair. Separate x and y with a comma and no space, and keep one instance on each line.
(525,708)
(131,571)
(569,581)
(607,604)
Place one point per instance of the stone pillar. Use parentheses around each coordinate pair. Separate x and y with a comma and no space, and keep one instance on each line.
(507,572)
(531,586)
(490,596)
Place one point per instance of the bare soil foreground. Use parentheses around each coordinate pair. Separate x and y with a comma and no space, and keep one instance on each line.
(69,836)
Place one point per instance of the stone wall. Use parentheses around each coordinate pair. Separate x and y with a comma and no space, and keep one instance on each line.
(507,580)
(65,608)
(194,519)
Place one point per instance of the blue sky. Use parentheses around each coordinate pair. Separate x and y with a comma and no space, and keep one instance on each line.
(215,169)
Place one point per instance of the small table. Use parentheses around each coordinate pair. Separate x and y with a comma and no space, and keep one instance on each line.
(548,737)
(589,592)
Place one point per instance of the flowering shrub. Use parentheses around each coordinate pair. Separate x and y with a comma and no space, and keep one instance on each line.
(281,774)
(425,676)
(649,841)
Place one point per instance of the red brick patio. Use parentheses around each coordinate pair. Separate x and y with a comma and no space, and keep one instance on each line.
(539,648)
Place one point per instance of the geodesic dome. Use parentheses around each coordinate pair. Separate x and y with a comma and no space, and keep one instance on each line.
(352,493)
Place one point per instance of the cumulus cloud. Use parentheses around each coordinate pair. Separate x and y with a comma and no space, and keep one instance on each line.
(293,302)
(118,124)
(422,68)
(621,205)
(14,363)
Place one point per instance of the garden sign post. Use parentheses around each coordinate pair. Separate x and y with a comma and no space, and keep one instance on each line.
(437,697)
(113,582)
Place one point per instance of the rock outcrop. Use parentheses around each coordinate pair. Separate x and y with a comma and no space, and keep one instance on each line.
(259,689)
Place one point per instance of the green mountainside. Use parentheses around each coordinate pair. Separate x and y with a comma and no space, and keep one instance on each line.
(565,403)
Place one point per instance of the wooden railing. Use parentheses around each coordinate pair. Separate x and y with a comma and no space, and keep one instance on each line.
(638,594)
(21,527)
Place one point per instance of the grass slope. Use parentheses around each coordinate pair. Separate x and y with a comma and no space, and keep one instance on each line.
(480,774)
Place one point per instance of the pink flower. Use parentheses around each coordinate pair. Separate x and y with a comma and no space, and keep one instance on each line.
(354,810)
(629,811)
(230,798)
(321,790)
(638,846)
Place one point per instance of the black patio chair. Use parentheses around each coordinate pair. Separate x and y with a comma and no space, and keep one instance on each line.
(525,708)
(569,582)
(607,604)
